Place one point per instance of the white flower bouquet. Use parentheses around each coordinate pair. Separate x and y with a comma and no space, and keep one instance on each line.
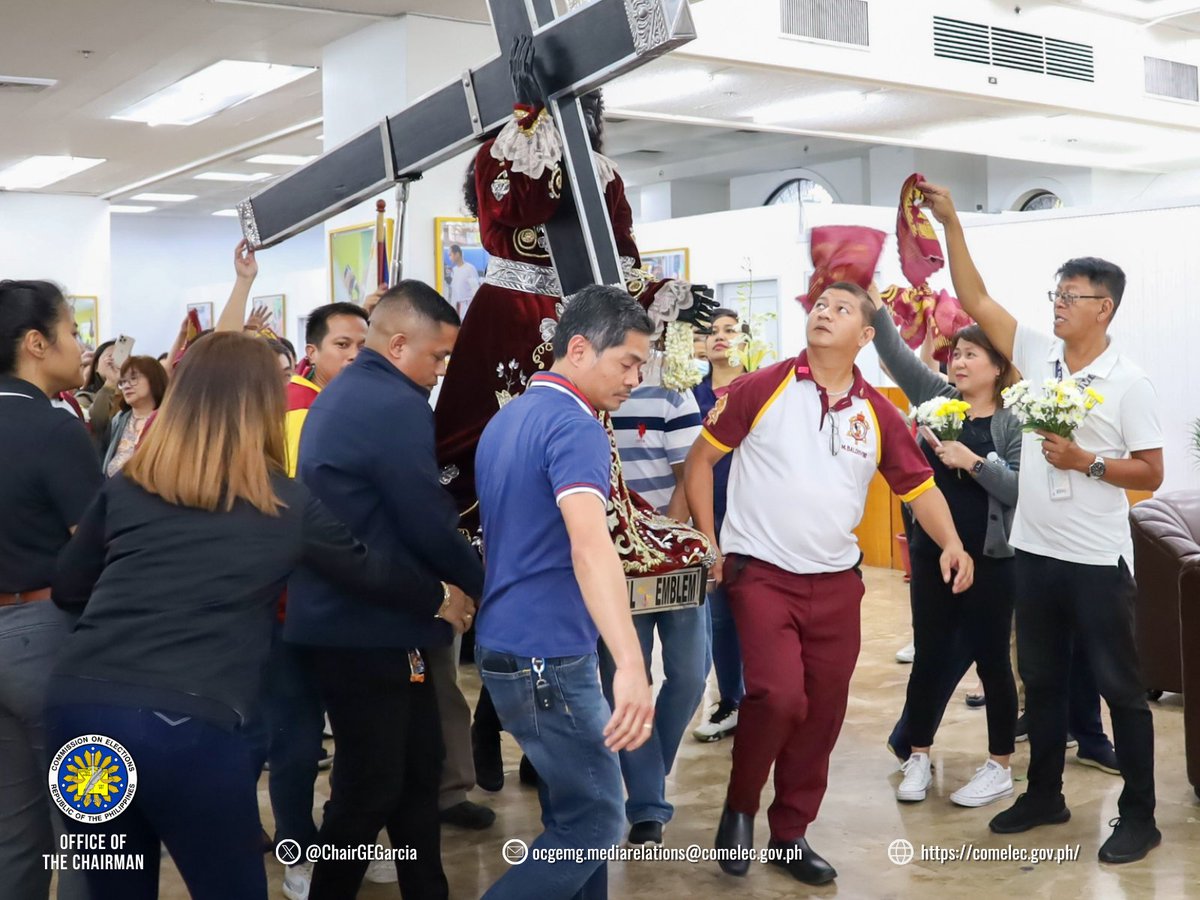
(1058,407)
(944,416)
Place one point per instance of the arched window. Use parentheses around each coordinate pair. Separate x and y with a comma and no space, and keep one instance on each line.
(1040,200)
(800,190)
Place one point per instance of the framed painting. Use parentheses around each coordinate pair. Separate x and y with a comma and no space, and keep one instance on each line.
(204,312)
(86,310)
(352,273)
(277,304)
(461,260)
(666,264)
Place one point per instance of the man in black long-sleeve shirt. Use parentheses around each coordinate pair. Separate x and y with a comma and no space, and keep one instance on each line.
(367,451)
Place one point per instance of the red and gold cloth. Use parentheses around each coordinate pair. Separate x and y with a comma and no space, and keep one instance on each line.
(920,250)
(841,253)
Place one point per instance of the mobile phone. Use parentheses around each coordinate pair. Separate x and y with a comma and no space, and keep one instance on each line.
(122,350)
(930,438)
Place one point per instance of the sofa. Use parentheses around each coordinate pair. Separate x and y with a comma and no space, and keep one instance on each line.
(1166,553)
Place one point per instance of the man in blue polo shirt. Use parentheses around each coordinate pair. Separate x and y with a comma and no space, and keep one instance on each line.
(554,584)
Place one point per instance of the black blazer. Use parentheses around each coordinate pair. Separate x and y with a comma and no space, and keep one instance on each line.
(178,603)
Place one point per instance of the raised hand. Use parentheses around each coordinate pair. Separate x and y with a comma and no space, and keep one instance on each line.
(524,79)
(259,318)
(938,201)
(244,262)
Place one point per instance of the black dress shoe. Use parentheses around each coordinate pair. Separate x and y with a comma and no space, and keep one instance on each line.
(489,764)
(801,861)
(528,773)
(1029,812)
(468,815)
(646,833)
(1130,841)
(736,832)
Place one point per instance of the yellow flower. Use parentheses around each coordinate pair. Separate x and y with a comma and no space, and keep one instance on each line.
(1094,398)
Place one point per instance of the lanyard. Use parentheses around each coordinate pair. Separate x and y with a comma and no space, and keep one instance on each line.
(1083,382)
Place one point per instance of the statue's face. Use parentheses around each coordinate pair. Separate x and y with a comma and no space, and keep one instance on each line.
(593,114)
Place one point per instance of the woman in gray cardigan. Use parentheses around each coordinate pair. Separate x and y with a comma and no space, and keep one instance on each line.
(978,475)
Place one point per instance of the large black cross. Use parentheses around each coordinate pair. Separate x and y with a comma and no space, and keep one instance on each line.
(574,54)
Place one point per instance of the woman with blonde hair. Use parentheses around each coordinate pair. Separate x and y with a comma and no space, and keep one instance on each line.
(176,569)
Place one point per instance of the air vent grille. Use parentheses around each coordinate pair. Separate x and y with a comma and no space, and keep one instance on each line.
(987,45)
(1166,78)
(842,21)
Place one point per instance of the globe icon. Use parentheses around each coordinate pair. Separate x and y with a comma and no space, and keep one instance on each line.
(900,852)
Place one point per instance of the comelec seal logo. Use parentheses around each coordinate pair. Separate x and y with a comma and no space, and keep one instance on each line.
(92,778)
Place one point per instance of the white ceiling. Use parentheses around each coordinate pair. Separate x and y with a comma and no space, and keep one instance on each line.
(108,54)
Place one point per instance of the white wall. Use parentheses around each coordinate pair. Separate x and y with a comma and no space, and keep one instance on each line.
(60,239)
(375,73)
(160,264)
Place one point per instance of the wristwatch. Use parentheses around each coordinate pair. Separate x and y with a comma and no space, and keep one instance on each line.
(978,467)
(1097,468)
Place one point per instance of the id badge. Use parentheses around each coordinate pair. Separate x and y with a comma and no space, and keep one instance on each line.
(1060,484)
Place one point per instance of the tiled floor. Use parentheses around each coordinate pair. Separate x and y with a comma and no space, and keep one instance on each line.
(860,816)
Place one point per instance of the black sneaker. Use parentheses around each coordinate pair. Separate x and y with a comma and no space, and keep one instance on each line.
(1130,841)
(1029,813)
(1022,729)
(1103,758)
(646,833)
(723,721)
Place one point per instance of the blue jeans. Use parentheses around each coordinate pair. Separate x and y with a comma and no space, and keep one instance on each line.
(579,779)
(287,731)
(683,633)
(195,793)
(725,652)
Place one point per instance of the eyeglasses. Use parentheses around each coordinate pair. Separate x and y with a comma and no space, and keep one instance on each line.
(834,432)
(128,382)
(1069,299)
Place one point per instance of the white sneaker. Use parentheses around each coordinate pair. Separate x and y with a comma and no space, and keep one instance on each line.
(722,721)
(296,880)
(992,782)
(906,653)
(382,871)
(918,776)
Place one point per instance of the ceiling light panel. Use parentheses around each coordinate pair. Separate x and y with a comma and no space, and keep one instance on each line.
(164,198)
(218,87)
(280,159)
(40,171)
(121,208)
(231,213)
(231,176)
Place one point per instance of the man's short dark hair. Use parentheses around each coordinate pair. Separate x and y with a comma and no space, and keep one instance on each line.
(454,248)
(1107,276)
(417,297)
(865,304)
(603,315)
(318,320)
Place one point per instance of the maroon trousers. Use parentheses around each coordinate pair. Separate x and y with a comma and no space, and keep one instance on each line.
(800,636)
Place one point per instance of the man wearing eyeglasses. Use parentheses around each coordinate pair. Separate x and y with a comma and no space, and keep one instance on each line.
(1071,532)
(807,436)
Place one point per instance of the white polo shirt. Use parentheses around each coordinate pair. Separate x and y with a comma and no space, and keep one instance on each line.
(800,471)
(1091,526)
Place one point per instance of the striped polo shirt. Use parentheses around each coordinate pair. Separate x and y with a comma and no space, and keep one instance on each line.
(655,429)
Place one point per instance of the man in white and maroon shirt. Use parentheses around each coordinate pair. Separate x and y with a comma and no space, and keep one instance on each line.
(807,435)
